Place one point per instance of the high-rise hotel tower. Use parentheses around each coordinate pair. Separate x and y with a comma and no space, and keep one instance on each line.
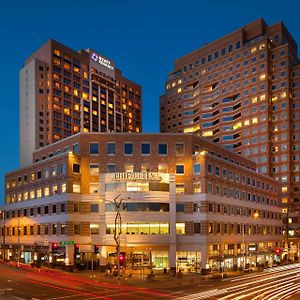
(243,91)
(63,92)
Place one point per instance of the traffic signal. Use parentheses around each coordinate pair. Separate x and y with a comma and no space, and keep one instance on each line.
(96,249)
(76,248)
(278,251)
(122,259)
(54,247)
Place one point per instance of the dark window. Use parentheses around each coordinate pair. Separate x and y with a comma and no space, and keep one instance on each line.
(76,168)
(54,209)
(75,148)
(94,207)
(197,228)
(94,148)
(179,169)
(46,210)
(63,207)
(163,149)
(111,149)
(128,148)
(145,148)
(111,168)
(180,207)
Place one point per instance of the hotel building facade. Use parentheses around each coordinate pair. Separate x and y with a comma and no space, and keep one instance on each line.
(243,91)
(187,203)
(63,91)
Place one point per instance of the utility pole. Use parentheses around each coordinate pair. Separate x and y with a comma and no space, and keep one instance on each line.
(4,233)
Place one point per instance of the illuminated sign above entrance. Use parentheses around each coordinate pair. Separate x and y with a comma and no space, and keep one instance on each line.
(102,61)
(149,176)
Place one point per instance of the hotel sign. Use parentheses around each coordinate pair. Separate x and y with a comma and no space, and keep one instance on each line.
(102,61)
(149,176)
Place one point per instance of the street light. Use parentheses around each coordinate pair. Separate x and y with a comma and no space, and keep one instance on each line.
(3,214)
(255,216)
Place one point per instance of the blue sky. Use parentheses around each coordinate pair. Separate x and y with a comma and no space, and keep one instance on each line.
(142,37)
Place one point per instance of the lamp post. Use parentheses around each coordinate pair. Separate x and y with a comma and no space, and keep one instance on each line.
(255,216)
(244,246)
(3,214)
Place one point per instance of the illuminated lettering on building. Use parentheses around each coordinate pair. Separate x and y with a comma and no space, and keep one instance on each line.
(150,176)
(102,61)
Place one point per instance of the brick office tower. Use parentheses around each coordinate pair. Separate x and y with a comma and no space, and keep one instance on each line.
(63,92)
(243,91)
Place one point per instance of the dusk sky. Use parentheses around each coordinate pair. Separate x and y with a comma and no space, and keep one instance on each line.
(143,38)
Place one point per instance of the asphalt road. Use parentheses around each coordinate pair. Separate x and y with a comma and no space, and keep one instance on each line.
(271,284)
(23,284)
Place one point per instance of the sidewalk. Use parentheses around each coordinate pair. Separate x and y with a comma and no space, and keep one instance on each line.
(132,278)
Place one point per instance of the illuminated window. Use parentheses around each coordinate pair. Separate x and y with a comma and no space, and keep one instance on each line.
(76,188)
(54,189)
(253,50)
(54,170)
(246,122)
(95,113)
(75,92)
(94,169)
(84,95)
(85,75)
(197,187)
(67,66)
(56,52)
(128,168)
(274,98)
(262,97)
(163,168)
(95,98)
(76,69)
(284,189)
(254,100)
(32,195)
(67,111)
(39,193)
(46,191)
(180,228)
(145,167)
(254,120)
(284,200)
(207,133)
(237,125)
(262,76)
(179,188)
(76,107)
(283,95)
(86,109)
(179,90)
(262,46)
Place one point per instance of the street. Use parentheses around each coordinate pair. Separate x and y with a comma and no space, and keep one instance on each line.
(271,284)
(25,284)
